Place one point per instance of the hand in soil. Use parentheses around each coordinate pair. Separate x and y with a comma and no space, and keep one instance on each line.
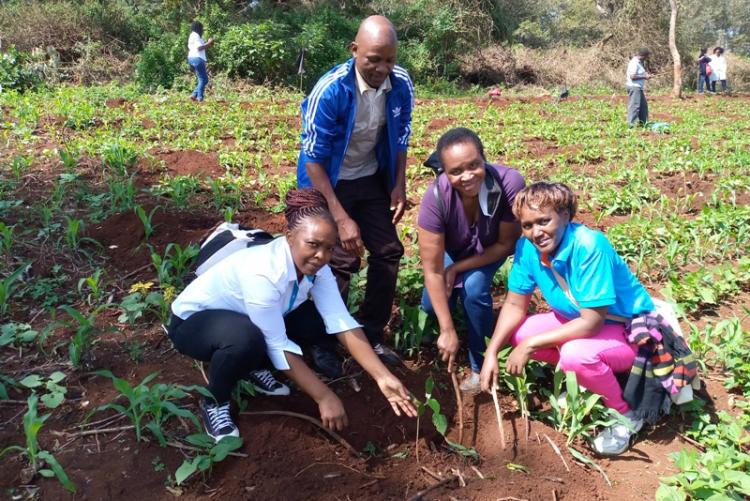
(397,396)
(447,344)
(332,413)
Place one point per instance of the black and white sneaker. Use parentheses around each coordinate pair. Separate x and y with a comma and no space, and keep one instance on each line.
(387,355)
(264,382)
(217,421)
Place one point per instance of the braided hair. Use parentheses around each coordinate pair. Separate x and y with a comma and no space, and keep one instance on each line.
(305,203)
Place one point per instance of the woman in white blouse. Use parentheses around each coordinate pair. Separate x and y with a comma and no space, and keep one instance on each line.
(718,69)
(197,58)
(261,303)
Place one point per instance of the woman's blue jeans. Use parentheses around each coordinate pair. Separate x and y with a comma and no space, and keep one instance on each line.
(477,303)
(199,66)
(703,80)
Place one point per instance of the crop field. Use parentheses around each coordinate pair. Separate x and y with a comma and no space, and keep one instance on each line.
(106,192)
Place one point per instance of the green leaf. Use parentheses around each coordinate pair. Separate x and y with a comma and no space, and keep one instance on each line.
(57,376)
(186,469)
(52,400)
(224,447)
(429,385)
(571,385)
(669,493)
(201,440)
(440,422)
(58,469)
(31,381)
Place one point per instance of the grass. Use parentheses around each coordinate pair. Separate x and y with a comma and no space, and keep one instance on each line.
(674,205)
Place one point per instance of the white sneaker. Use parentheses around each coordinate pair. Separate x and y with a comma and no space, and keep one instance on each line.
(616,439)
(264,382)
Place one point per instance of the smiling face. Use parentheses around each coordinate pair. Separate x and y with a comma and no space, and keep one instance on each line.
(544,227)
(312,244)
(374,60)
(464,166)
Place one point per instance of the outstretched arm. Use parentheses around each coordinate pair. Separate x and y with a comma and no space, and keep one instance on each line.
(394,391)
(332,412)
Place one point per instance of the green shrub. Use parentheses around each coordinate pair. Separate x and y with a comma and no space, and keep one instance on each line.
(160,62)
(17,71)
(260,51)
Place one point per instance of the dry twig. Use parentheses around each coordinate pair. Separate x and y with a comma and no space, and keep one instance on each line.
(419,495)
(84,433)
(498,414)
(557,451)
(178,445)
(431,473)
(309,419)
(376,477)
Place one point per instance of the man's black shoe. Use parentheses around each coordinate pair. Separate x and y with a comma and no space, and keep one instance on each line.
(326,360)
(387,355)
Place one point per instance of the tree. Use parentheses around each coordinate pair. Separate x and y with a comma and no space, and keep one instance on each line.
(676,61)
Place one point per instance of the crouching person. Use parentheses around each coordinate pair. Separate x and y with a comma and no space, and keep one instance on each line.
(267,301)
(602,320)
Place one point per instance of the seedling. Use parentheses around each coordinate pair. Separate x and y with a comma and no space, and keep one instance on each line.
(408,339)
(212,453)
(6,237)
(149,407)
(16,334)
(146,220)
(55,393)
(85,332)
(37,458)
(8,286)
(94,285)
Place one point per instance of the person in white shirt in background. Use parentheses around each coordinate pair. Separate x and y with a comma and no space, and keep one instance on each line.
(265,301)
(635,83)
(197,58)
(718,69)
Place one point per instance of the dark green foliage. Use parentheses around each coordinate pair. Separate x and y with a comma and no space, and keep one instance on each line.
(260,52)
(17,72)
(160,62)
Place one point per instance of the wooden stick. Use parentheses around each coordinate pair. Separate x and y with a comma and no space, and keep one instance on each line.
(557,451)
(479,473)
(93,432)
(419,495)
(203,372)
(498,414)
(554,495)
(431,473)
(309,419)
(460,402)
(376,477)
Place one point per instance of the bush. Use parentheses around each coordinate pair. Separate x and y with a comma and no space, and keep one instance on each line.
(160,62)
(17,71)
(259,51)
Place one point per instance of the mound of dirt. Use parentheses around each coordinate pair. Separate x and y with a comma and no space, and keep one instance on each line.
(190,163)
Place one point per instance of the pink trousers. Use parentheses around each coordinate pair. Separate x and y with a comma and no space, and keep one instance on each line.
(595,359)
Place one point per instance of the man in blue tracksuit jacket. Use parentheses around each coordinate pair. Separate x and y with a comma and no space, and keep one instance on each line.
(356,124)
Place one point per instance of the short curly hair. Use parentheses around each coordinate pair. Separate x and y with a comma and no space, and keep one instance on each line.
(542,195)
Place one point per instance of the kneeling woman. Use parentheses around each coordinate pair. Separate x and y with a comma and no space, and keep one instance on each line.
(264,302)
(592,293)
(466,230)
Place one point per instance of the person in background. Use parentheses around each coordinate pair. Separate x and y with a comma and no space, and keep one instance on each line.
(719,69)
(635,83)
(265,303)
(703,77)
(466,231)
(197,58)
(356,125)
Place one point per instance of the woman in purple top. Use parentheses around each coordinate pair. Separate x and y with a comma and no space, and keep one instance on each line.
(466,231)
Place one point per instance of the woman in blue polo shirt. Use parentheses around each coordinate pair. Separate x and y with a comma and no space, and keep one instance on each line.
(591,292)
